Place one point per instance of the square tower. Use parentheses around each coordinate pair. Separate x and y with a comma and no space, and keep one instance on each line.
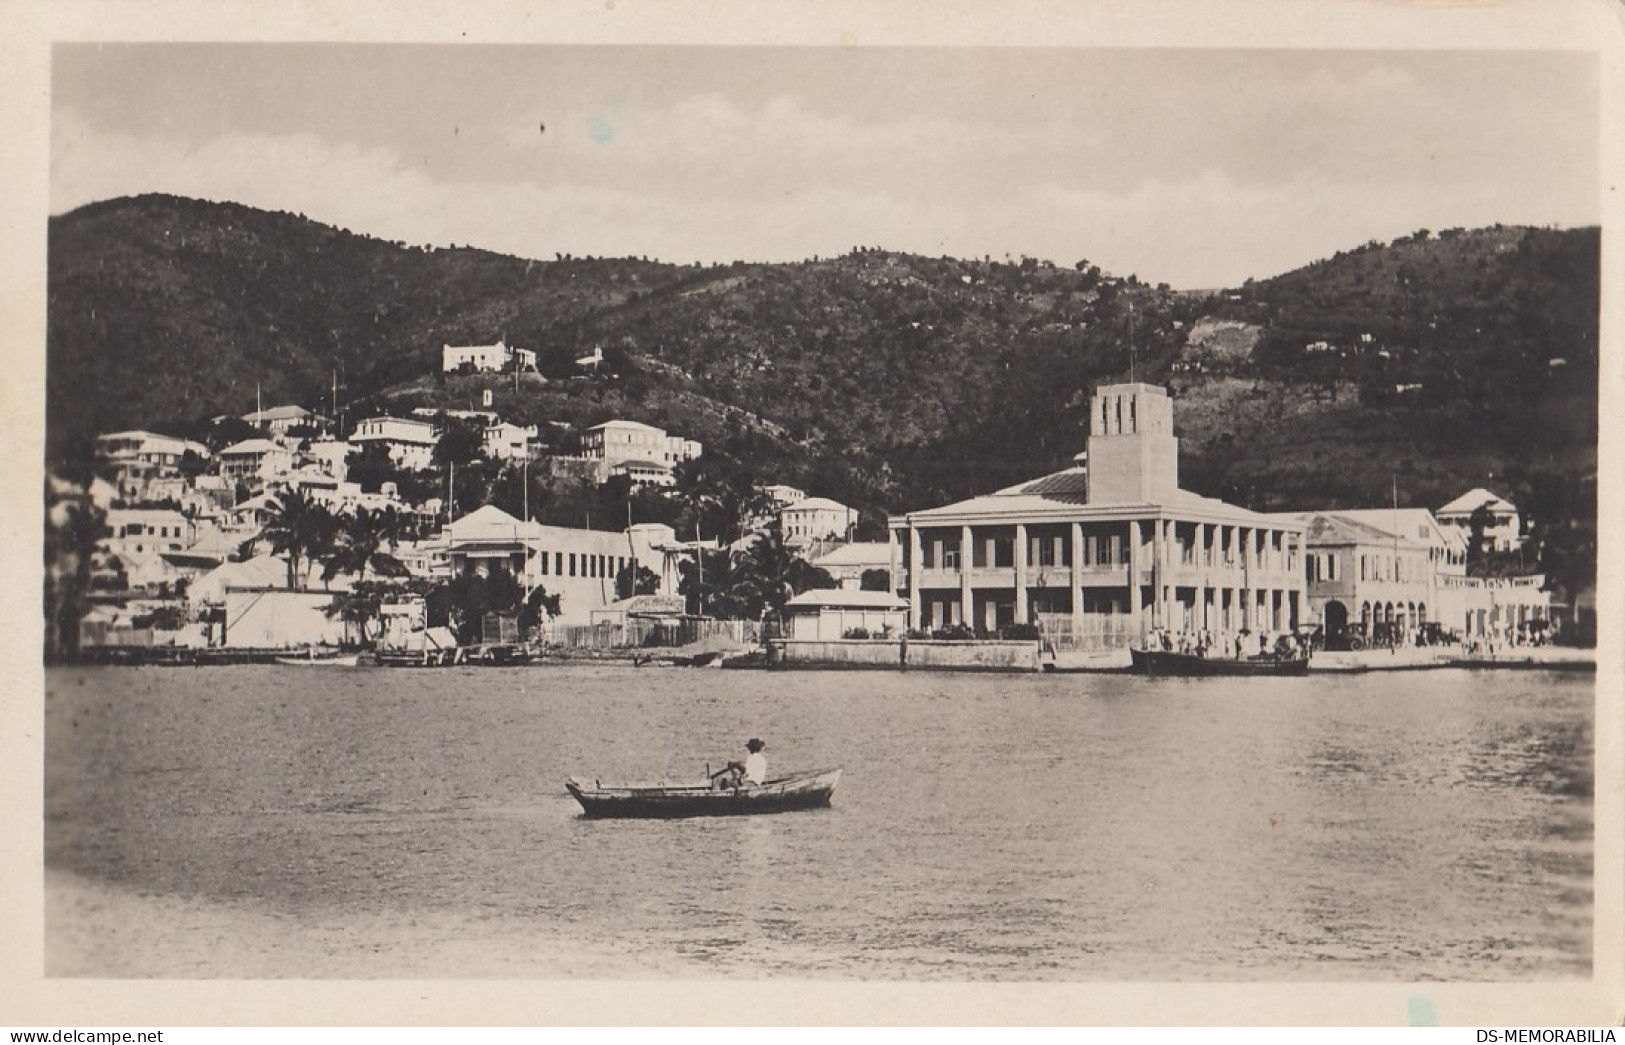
(1133,455)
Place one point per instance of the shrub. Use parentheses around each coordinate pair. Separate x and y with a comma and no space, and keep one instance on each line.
(855,633)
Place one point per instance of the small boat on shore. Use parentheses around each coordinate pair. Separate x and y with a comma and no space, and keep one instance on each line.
(422,658)
(785,794)
(322,660)
(1190,665)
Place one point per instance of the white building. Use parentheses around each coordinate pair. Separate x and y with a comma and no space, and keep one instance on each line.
(817,519)
(138,457)
(331,456)
(508,442)
(783,496)
(1503,525)
(832,614)
(615,442)
(277,420)
(411,443)
(147,530)
(499,356)
(847,563)
(259,459)
(578,565)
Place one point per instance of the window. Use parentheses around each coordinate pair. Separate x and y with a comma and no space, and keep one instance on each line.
(950,555)
(572,564)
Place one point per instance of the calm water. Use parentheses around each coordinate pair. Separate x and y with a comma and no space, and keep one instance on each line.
(316,822)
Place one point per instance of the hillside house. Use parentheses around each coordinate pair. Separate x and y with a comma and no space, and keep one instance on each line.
(508,442)
(1503,528)
(499,356)
(277,421)
(817,519)
(410,443)
(648,448)
(255,460)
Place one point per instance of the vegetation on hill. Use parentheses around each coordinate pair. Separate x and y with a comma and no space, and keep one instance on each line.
(887,381)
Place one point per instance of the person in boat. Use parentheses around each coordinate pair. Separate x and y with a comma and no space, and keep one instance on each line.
(750,773)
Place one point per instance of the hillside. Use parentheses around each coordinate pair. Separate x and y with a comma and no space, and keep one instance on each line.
(889,381)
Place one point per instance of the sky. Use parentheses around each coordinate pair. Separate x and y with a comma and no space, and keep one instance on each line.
(1198,168)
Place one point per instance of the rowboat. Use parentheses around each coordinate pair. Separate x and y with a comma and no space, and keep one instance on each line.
(782,795)
(1162,662)
(322,660)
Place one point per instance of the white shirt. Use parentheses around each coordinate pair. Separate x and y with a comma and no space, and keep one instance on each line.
(756,767)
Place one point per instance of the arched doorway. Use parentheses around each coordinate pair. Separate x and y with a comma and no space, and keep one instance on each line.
(1336,617)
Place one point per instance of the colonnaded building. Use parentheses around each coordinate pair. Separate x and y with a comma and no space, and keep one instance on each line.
(1100,554)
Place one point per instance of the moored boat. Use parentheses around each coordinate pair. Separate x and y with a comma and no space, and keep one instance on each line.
(785,794)
(1190,665)
(322,660)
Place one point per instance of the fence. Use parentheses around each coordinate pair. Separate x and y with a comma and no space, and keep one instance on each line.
(637,633)
(1094,633)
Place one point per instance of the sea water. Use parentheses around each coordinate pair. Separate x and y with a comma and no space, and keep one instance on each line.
(310,822)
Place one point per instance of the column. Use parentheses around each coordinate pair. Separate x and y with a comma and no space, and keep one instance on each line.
(1201,577)
(1136,625)
(1021,573)
(1077,582)
(916,555)
(895,561)
(966,600)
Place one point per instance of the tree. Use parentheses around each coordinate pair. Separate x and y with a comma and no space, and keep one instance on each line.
(636,579)
(460,443)
(70,549)
(1478,542)
(875,580)
(462,602)
(371,467)
(299,528)
(771,573)
(361,540)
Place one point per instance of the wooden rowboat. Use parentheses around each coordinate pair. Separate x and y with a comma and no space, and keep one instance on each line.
(1160,662)
(322,660)
(801,791)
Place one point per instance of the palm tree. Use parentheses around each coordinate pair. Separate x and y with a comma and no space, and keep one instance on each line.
(771,573)
(361,540)
(73,546)
(301,529)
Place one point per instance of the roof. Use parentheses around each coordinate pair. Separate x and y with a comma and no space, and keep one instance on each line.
(656,605)
(254,446)
(1070,485)
(659,466)
(1324,529)
(278,413)
(845,598)
(617,423)
(858,553)
(1474,499)
(1025,503)
(1407,523)
(817,504)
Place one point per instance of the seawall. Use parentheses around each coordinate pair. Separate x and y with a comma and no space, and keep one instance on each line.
(917,654)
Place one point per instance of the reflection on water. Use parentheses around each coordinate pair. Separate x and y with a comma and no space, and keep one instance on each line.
(1018,827)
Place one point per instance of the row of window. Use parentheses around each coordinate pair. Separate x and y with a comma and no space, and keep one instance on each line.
(573,564)
(148,530)
(1396,570)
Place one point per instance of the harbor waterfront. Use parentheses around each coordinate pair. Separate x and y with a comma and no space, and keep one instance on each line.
(268,821)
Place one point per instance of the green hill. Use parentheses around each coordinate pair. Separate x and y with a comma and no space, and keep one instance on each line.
(888,381)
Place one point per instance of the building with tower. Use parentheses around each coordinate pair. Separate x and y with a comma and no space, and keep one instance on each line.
(1100,554)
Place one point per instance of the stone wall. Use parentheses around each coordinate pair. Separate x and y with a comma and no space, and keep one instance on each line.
(922,654)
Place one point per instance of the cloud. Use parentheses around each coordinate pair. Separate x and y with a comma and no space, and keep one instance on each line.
(1245,167)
